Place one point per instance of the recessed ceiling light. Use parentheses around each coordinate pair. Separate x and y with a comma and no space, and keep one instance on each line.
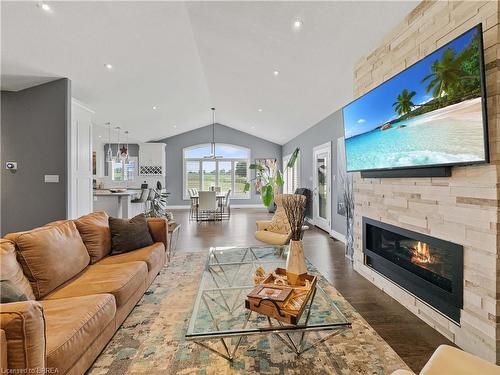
(155,107)
(260,110)
(108,66)
(100,136)
(297,24)
(276,72)
(175,126)
(44,6)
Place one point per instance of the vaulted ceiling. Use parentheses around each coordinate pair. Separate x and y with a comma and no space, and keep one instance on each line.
(172,61)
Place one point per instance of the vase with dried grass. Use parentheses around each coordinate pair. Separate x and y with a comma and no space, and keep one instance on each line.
(295,208)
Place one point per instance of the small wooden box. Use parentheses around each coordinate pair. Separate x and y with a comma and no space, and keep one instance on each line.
(282,302)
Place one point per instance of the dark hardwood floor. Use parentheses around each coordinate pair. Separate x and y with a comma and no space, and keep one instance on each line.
(410,337)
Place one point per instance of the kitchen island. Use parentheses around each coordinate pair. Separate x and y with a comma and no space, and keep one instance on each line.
(118,204)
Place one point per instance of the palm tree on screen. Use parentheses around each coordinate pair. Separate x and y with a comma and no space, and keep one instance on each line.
(404,104)
(447,73)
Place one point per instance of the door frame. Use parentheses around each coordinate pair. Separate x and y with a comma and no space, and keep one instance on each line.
(325,224)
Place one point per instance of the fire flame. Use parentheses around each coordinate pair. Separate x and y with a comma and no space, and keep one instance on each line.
(421,253)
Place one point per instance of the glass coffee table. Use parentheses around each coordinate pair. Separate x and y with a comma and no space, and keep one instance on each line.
(219,321)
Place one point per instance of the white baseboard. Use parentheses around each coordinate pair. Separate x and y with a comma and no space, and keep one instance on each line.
(178,207)
(187,207)
(248,206)
(337,235)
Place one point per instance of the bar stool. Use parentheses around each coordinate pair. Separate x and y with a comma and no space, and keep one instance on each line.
(142,199)
(150,199)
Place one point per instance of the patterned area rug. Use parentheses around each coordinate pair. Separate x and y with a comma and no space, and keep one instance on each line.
(151,340)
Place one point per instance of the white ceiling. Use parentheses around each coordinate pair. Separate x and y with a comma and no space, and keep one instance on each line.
(186,57)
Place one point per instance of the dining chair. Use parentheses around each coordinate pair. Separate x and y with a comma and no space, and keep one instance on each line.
(207,206)
(226,206)
(193,198)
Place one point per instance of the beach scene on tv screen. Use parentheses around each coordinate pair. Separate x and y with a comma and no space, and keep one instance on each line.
(430,114)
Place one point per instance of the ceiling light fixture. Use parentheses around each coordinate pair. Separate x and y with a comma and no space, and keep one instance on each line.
(109,152)
(119,157)
(297,24)
(155,107)
(44,6)
(260,110)
(108,66)
(175,126)
(212,144)
(276,73)
(126,152)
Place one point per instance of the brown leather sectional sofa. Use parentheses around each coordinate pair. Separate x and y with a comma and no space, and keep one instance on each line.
(78,295)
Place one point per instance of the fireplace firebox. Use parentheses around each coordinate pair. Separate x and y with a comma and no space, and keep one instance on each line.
(428,267)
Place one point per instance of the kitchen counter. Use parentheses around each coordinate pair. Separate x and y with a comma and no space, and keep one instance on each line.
(118,204)
(109,193)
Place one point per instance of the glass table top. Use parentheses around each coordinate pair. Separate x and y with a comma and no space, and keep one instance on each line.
(219,309)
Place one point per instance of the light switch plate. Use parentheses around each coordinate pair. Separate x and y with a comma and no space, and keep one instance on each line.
(52,178)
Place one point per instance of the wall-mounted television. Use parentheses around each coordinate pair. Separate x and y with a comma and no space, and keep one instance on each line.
(432,114)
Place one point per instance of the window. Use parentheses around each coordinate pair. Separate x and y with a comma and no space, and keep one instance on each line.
(121,171)
(228,171)
(291,176)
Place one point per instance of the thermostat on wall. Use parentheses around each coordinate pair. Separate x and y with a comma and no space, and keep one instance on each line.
(11,166)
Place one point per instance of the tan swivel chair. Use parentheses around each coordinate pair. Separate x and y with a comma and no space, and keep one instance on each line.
(277,230)
(448,360)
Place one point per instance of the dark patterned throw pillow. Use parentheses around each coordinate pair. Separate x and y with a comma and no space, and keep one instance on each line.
(128,235)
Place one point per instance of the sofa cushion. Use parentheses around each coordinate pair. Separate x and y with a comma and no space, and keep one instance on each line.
(120,280)
(10,269)
(127,235)
(96,236)
(152,255)
(72,324)
(50,255)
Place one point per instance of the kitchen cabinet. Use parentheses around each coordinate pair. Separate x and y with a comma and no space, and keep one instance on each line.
(152,159)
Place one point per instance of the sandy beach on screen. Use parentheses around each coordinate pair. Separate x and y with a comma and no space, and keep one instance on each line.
(467,110)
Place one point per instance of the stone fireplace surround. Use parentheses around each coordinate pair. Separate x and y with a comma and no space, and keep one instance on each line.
(463,208)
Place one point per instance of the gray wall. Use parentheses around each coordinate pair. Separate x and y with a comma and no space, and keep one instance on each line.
(260,148)
(35,124)
(329,129)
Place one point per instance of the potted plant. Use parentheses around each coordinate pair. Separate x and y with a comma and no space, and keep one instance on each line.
(159,205)
(271,178)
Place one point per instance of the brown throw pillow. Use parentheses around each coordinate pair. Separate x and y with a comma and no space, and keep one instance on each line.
(94,229)
(128,235)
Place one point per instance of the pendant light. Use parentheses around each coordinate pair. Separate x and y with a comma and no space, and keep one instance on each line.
(212,144)
(126,152)
(109,152)
(118,152)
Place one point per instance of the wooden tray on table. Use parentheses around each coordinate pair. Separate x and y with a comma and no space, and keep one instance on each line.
(282,302)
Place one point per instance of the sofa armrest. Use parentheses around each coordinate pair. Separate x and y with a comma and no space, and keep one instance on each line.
(158,227)
(3,352)
(263,224)
(24,327)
